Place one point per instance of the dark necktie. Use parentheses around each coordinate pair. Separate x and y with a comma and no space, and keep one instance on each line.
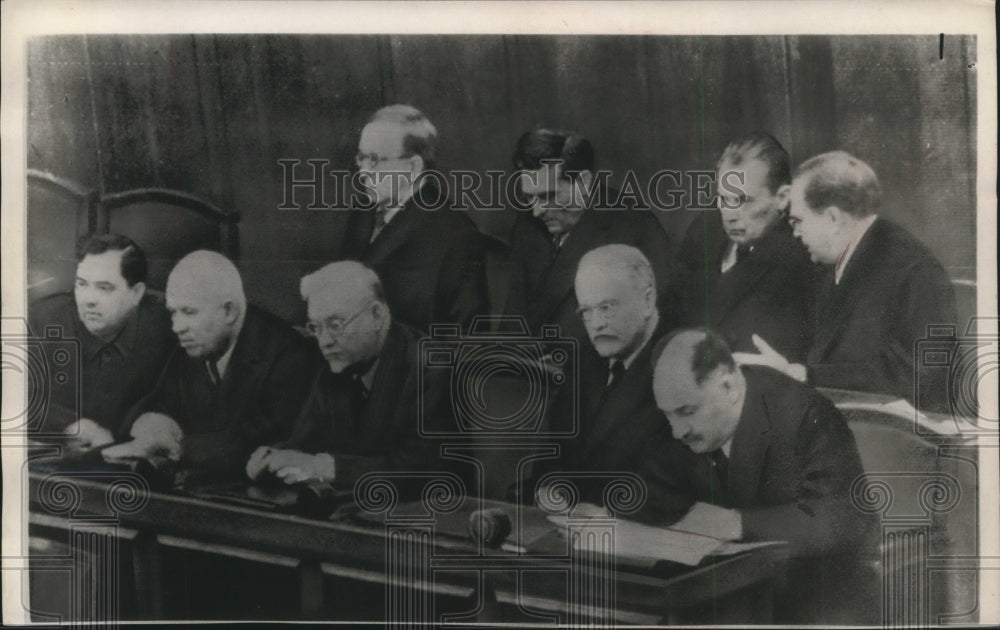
(615,373)
(379,223)
(742,251)
(720,466)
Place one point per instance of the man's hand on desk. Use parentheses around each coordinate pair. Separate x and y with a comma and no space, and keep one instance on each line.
(771,358)
(711,520)
(88,434)
(291,466)
(153,434)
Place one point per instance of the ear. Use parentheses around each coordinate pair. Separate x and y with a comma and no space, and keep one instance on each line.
(138,290)
(784,194)
(837,216)
(649,297)
(232,312)
(416,165)
(378,310)
(727,383)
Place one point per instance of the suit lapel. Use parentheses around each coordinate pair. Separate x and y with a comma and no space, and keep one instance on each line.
(393,235)
(388,378)
(744,277)
(609,416)
(749,447)
(242,373)
(835,302)
(557,284)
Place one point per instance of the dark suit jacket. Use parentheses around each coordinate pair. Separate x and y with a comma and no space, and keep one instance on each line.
(791,465)
(431,262)
(382,432)
(769,292)
(867,326)
(265,384)
(541,287)
(622,431)
(108,378)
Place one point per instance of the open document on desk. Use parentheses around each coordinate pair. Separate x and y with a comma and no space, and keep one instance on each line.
(641,544)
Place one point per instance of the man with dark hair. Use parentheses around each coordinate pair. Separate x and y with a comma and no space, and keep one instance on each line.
(236,379)
(429,257)
(571,214)
(879,293)
(362,411)
(123,334)
(745,272)
(776,461)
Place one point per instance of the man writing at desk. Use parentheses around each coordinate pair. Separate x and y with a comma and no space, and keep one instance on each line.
(777,463)
(362,412)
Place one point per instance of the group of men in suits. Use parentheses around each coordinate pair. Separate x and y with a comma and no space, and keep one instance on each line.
(695,368)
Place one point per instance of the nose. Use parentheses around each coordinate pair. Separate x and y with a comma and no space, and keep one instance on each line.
(178,325)
(538,209)
(87,295)
(680,429)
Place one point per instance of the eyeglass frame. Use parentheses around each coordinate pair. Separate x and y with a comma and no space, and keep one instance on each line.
(326,326)
(371,160)
(606,309)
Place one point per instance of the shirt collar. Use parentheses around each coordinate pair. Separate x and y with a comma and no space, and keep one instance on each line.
(223,362)
(865,225)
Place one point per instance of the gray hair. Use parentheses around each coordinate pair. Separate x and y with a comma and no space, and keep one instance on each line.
(622,257)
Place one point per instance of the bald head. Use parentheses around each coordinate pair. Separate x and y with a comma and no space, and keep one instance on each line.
(206,303)
(697,385)
(348,314)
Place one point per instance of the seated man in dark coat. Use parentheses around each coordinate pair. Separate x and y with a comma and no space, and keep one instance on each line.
(878,295)
(777,462)
(237,380)
(429,257)
(362,414)
(620,425)
(123,333)
(745,272)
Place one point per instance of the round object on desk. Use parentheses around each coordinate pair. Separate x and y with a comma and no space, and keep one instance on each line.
(491,526)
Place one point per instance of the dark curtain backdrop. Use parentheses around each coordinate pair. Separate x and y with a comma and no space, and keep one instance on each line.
(213,114)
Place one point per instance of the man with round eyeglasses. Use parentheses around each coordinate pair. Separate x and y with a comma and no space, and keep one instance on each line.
(428,256)
(361,414)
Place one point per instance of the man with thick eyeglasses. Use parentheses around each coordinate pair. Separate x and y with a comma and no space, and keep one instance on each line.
(428,256)
(362,413)
(746,274)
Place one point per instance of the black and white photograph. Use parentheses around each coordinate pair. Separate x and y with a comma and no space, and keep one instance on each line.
(430,314)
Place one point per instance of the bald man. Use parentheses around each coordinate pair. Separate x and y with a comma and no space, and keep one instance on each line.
(429,257)
(362,412)
(776,461)
(238,376)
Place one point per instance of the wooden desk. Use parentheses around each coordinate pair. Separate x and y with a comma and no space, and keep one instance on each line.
(431,575)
